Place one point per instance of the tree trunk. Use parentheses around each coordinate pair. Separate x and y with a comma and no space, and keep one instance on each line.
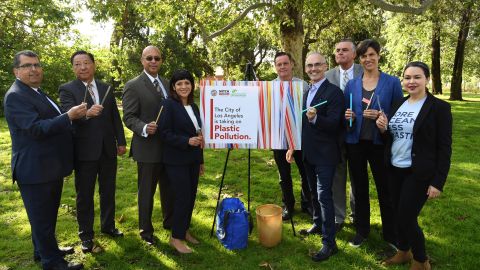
(291,29)
(436,71)
(456,88)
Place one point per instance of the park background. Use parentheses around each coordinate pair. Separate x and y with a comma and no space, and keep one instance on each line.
(202,35)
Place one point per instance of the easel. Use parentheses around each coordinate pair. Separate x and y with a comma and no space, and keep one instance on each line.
(249,76)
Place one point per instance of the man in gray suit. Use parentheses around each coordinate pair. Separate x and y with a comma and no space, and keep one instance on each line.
(141,105)
(340,75)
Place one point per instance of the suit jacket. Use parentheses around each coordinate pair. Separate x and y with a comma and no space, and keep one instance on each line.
(333,75)
(42,149)
(176,129)
(432,141)
(320,140)
(97,134)
(141,104)
(388,89)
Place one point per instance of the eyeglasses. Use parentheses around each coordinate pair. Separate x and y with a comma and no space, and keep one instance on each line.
(30,66)
(317,65)
(150,58)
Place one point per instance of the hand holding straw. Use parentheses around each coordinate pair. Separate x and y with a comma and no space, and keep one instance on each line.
(158,116)
(317,105)
(106,94)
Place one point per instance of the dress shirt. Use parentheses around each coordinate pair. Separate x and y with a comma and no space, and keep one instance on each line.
(349,73)
(49,100)
(152,79)
(311,94)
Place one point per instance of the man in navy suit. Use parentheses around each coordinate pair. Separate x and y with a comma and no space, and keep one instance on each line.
(98,139)
(42,154)
(321,126)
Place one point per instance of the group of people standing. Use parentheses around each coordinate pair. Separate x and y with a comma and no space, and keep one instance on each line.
(358,115)
(355,114)
(85,133)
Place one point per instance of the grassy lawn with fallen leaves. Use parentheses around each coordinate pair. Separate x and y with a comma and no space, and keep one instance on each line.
(449,222)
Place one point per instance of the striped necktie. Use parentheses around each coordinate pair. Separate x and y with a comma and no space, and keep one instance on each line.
(92,94)
(345,80)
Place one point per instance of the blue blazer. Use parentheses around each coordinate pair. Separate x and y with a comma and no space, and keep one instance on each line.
(320,144)
(388,89)
(176,128)
(42,148)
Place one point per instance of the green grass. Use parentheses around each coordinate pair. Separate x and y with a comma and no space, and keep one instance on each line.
(449,222)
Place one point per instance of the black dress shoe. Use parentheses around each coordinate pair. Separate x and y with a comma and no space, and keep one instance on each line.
(313,230)
(64,265)
(325,253)
(87,246)
(149,240)
(113,232)
(287,213)
(63,252)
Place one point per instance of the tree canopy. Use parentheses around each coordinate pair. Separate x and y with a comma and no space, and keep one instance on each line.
(201,35)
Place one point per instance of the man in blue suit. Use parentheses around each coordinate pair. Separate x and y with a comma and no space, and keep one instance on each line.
(321,126)
(42,154)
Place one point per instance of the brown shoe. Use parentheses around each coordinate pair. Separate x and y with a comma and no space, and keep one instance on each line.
(420,265)
(400,257)
(180,246)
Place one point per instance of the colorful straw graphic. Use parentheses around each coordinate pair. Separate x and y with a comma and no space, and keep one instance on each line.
(280,114)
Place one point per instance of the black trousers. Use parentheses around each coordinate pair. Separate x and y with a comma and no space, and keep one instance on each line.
(284,171)
(183,182)
(409,196)
(149,175)
(41,202)
(358,156)
(86,174)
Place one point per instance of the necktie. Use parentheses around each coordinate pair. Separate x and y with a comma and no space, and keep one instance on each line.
(345,79)
(92,94)
(157,86)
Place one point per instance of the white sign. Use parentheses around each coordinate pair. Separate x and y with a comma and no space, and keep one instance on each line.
(231,114)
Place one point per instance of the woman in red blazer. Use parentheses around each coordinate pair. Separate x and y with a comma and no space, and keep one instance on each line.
(418,137)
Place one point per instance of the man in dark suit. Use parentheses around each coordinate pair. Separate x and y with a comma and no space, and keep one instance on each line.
(340,75)
(321,126)
(284,67)
(98,139)
(42,154)
(141,106)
